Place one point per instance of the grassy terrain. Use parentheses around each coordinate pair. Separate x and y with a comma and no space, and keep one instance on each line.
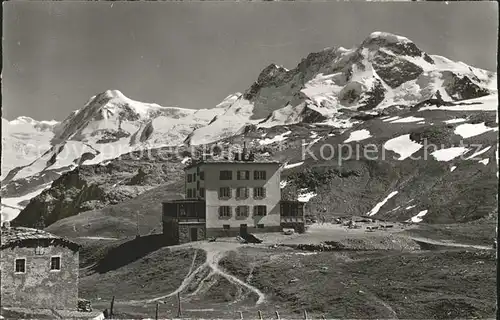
(418,285)
(481,232)
(120,220)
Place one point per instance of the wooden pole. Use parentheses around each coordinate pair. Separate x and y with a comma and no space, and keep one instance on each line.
(137,216)
(277,315)
(111,308)
(156,313)
(323,316)
(241,315)
(260,315)
(179,311)
(305,315)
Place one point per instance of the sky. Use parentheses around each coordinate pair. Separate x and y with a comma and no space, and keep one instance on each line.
(56,55)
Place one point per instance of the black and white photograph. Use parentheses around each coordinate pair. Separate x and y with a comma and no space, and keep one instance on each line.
(249,160)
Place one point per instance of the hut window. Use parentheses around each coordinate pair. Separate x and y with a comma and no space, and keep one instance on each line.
(20,265)
(55,263)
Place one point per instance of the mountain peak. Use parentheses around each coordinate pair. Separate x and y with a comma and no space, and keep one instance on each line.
(115,94)
(23,120)
(383,42)
(270,72)
(387,37)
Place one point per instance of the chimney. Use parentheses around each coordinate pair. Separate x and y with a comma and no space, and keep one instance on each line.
(245,151)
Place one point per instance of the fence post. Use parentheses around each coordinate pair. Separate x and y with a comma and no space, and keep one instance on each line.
(156,313)
(179,311)
(111,314)
(277,315)
(241,315)
(260,315)
(305,315)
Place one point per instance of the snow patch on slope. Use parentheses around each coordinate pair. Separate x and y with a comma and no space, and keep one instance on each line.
(305,196)
(484,161)
(408,120)
(457,120)
(358,135)
(474,155)
(381,203)
(277,138)
(418,217)
(293,165)
(11,207)
(448,153)
(468,130)
(403,146)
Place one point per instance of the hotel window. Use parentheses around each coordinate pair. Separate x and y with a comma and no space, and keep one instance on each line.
(242,211)
(202,175)
(259,175)
(224,193)
(259,210)
(225,226)
(202,192)
(189,177)
(242,193)
(20,266)
(243,175)
(259,193)
(224,211)
(55,263)
(189,193)
(226,175)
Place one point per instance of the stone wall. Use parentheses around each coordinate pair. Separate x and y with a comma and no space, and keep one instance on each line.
(185,231)
(233,232)
(171,232)
(297,226)
(39,287)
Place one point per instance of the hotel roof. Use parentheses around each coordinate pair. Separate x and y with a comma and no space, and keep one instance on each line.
(227,161)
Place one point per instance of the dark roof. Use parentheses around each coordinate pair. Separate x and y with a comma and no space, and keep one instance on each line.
(208,161)
(291,201)
(184,201)
(16,235)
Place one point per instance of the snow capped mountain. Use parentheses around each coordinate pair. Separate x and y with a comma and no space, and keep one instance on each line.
(384,70)
(109,125)
(23,140)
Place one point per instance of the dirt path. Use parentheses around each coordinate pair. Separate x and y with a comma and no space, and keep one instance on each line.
(215,252)
(213,258)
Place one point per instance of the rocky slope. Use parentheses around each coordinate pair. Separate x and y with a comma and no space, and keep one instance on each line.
(91,187)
